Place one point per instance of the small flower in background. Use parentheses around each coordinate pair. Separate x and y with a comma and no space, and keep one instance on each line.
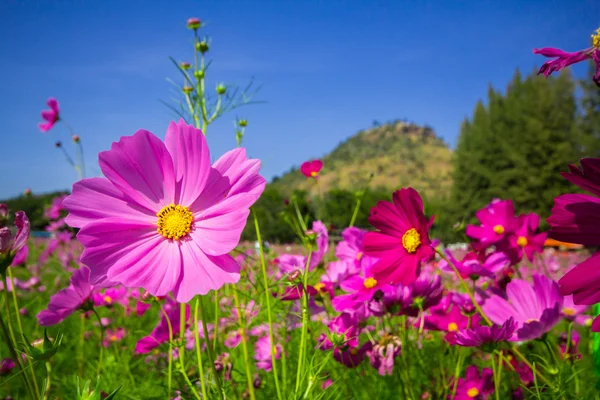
(223,364)
(475,385)
(486,335)
(569,350)
(262,353)
(311,169)
(383,353)
(575,312)
(402,240)
(68,300)
(14,246)
(563,59)
(51,116)
(6,365)
(193,23)
(113,336)
(27,192)
(160,334)
(165,222)
(525,240)
(497,222)
(535,309)
(351,357)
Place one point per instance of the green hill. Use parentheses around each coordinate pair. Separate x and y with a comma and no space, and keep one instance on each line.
(398,154)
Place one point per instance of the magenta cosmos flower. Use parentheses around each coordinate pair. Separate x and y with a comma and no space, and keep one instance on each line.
(13,248)
(311,169)
(164,219)
(525,241)
(497,220)
(68,300)
(535,309)
(475,385)
(402,241)
(485,335)
(51,116)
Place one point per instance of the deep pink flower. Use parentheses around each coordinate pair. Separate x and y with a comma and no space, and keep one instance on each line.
(475,385)
(383,353)
(111,296)
(525,240)
(469,267)
(343,332)
(113,336)
(68,300)
(51,116)
(497,221)
(6,365)
(351,357)
(535,309)
(311,169)
(575,312)
(56,207)
(262,353)
(402,241)
(484,335)
(163,219)
(160,334)
(562,59)
(11,246)
(359,289)
(338,271)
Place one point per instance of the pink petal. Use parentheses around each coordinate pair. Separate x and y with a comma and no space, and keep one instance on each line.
(53,104)
(202,273)
(220,233)
(97,198)
(524,299)
(141,167)
(191,160)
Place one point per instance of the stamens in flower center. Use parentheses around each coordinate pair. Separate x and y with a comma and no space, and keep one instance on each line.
(174,221)
(498,229)
(596,39)
(473,392)
(108,299)
(452,327)
(411,240)
(522,241)
(370,283)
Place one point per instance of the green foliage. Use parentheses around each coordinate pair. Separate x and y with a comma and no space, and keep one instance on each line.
(589,121)
(34,206)
(516,146)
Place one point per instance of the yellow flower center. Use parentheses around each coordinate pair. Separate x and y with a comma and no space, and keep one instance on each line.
(452,327)
(174,222)
(532,320)
(370,283)
(473,392)
(596,39)
(354,351)
(522,241)
(108,299)
(359,255)
(569,311)
(114,338)
(411,240)
(499,229)
(319,286)
(314,174)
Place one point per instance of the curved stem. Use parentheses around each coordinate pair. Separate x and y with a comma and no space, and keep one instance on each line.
(170,355)
(247,362)
(101,342)
(16,357)
(211,359)
(199,350)
(355,213)
(304,331)
(48,380)
(263,267)
(465,286)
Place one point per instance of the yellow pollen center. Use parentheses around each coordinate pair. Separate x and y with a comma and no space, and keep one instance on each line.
(452,327)
(473,392)
(320,286)
(498,229)
(359,255)
(108,299)
(174,222)
(353,351)
(114,338)
(411,240)
(370,283)
(569,311)
(596,39)
(532,320)
(314,173)
(522,241)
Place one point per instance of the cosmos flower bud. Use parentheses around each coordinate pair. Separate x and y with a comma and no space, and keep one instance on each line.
(185,65)
(257,382)
(199,74)
(202,46)
(187,89)
(6,365)
(43,349)
(193,23)
(294,276)
(221,89)
(27,192)
(58,143)
(76,138)
(243,123)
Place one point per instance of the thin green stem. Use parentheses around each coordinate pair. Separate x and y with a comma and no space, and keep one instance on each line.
(247,362)
(496,379)
(263,266)
(170,355)
(48,380)
(189,383)
(199,350)
(304,332)
(211,358)
(355,213)
(217,309)
(99,368)
(17,358)
(182,312)
(80,347)
(524,359)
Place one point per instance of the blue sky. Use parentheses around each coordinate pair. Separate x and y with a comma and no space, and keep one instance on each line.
(328,69)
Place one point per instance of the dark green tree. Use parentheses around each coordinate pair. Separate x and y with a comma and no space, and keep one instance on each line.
(589,121)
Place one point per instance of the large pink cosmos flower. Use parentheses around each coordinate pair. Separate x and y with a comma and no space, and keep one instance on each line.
(51,116)
(576,218)
(163,219)
(402,241)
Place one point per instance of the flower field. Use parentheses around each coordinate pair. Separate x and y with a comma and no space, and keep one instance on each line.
(145,290)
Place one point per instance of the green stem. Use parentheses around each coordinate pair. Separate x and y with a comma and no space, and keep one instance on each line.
(263,266)
(80,347)
(496,378)
(355,213)
(170,355)
(217,309)
(101,342)
(211,359)
(182,310)
(304,332)
(199,350)
(48,380)
(16,357)
(247,362)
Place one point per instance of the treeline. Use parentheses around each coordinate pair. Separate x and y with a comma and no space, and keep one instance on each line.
(34,206)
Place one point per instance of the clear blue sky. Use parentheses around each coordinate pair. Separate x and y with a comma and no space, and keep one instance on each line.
(328,69)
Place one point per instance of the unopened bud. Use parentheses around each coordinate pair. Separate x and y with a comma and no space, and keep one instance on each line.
(76,138)
(193,23)
(294,276)
(187,89)
(27,192)
(257,382)
(243,123)
(202,46)
(199,74)
(58,143)
(185,65)
(146,296)
(221,89)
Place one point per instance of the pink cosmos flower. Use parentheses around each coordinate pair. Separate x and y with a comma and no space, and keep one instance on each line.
(113,336)
(402,241)
(475,385)
(311,169)
(383,353)
(525,241)
(351,357)
(535,309)
(575,312)
(497,220)
(6,365)
(11,247)
(484,335)
(51,116)
(53,212)
(68,300)
(469,267)
(262,353)
(163,219)
(160,334)
(111,296)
